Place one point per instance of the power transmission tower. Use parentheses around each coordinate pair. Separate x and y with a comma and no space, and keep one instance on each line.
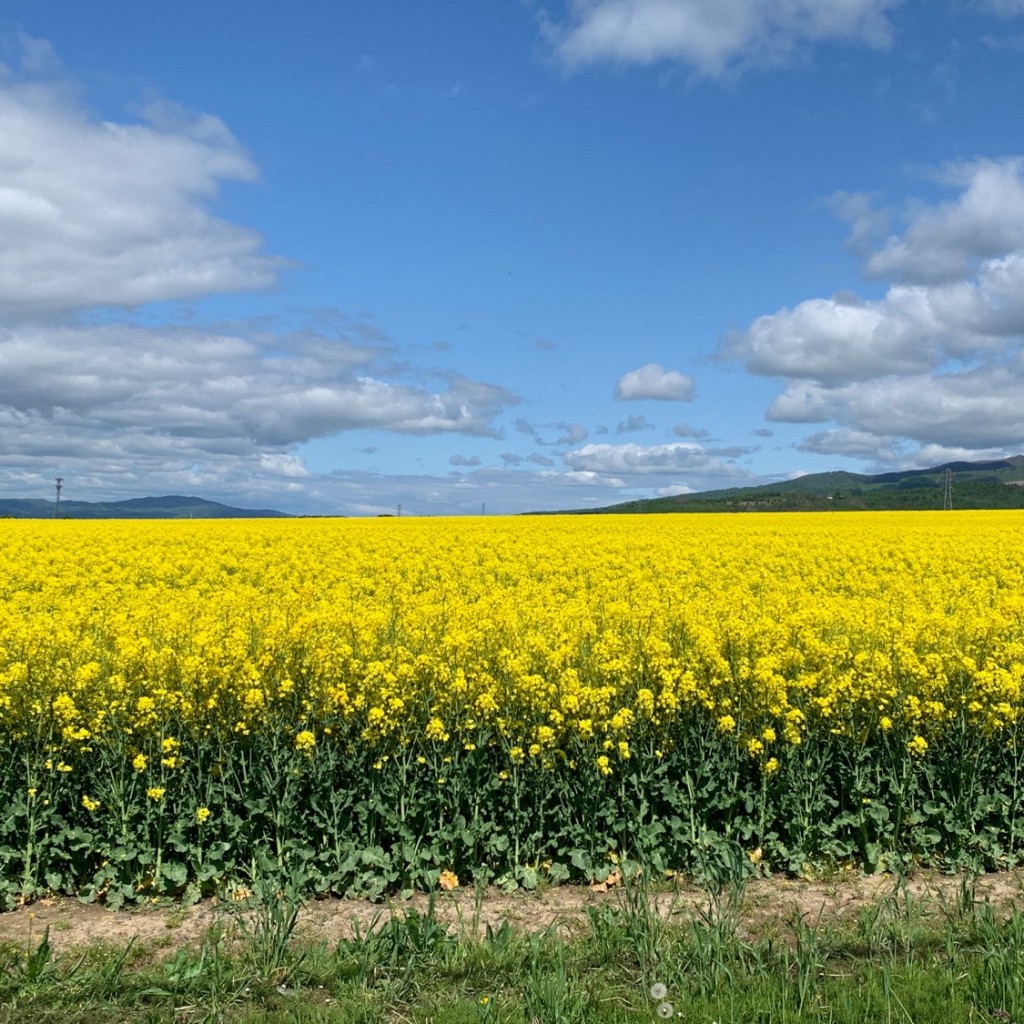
(56,507)
(947,491)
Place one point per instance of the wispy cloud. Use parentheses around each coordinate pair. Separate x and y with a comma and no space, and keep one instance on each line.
(714,39)
(635,459)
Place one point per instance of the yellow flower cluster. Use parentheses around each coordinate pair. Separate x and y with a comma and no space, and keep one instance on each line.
(541,633)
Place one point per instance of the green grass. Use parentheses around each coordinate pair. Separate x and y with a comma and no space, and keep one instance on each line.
(894,961)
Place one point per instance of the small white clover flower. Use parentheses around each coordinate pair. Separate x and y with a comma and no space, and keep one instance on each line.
(665,1010)
(658,991)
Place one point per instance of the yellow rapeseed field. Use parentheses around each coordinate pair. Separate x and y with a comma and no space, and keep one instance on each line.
(540,627)
(558,644)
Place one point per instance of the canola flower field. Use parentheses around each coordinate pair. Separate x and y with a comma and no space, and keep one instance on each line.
(383,704)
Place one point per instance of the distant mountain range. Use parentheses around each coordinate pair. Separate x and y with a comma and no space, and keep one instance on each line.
(171,506)
(995,484)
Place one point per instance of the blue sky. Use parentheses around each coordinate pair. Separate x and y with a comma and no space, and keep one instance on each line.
(344,257)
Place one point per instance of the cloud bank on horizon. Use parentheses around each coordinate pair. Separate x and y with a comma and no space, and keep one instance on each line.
(490,276)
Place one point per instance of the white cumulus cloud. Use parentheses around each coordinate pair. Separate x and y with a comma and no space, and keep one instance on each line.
(948,241)
(654,381)
(978,409)
(107,213)
(938,360)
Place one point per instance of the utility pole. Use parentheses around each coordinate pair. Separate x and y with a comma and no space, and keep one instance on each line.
(947,491)
(483,508)
(399,511)
(56,508)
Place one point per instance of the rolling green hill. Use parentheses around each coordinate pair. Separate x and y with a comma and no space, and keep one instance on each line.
(995,484)
(173,506)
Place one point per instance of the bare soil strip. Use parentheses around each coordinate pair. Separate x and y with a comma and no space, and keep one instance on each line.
(767,904)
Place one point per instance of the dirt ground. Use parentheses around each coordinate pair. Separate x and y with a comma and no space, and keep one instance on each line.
(766,903)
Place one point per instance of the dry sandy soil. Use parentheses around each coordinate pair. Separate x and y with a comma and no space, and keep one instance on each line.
(766,904)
